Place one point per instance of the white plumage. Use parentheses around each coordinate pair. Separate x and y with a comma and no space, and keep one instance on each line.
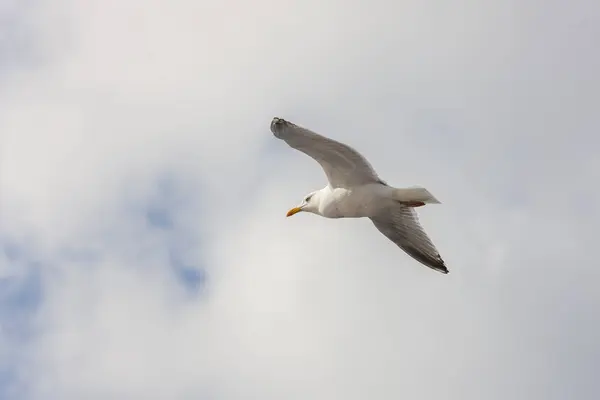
(355,191)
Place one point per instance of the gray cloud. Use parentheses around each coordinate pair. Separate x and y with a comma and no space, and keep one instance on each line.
(491,108)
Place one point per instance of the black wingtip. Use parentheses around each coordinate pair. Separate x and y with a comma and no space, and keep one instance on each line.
(436,263)
(277,125)
(440,266)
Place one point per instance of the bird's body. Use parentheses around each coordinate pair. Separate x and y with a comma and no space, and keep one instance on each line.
(356,202)
(355,191)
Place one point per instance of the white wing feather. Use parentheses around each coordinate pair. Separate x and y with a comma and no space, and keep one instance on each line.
(344,166)
(401,225)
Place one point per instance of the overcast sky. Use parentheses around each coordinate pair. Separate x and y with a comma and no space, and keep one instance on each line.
(145,249)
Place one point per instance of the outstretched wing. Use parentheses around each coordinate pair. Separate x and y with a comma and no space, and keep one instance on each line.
(401,225)
(344,166)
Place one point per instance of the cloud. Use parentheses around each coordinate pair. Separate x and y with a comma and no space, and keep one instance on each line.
(143,189)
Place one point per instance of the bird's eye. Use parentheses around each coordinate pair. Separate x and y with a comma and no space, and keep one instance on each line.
(307,199)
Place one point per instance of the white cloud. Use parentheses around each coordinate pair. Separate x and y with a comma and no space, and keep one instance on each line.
(477,104)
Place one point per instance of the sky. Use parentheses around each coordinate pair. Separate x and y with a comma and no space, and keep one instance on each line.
(145,251)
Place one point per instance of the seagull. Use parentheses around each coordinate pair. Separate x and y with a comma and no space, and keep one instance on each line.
(355,190)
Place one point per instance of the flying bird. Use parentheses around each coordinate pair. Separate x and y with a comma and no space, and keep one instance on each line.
(355,190)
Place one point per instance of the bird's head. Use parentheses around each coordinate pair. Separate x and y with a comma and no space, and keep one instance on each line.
(310,203)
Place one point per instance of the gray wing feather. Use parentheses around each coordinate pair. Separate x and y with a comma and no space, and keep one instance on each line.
(344,166)
(401,225)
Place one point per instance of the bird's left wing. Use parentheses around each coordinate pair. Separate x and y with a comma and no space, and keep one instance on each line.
(344,166)
(401,225)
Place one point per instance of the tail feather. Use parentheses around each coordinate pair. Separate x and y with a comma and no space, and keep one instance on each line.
(414,196)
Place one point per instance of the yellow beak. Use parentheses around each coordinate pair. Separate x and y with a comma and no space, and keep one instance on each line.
(293,211)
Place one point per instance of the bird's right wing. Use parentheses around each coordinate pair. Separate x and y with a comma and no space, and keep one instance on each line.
(401,225)
(344,166)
